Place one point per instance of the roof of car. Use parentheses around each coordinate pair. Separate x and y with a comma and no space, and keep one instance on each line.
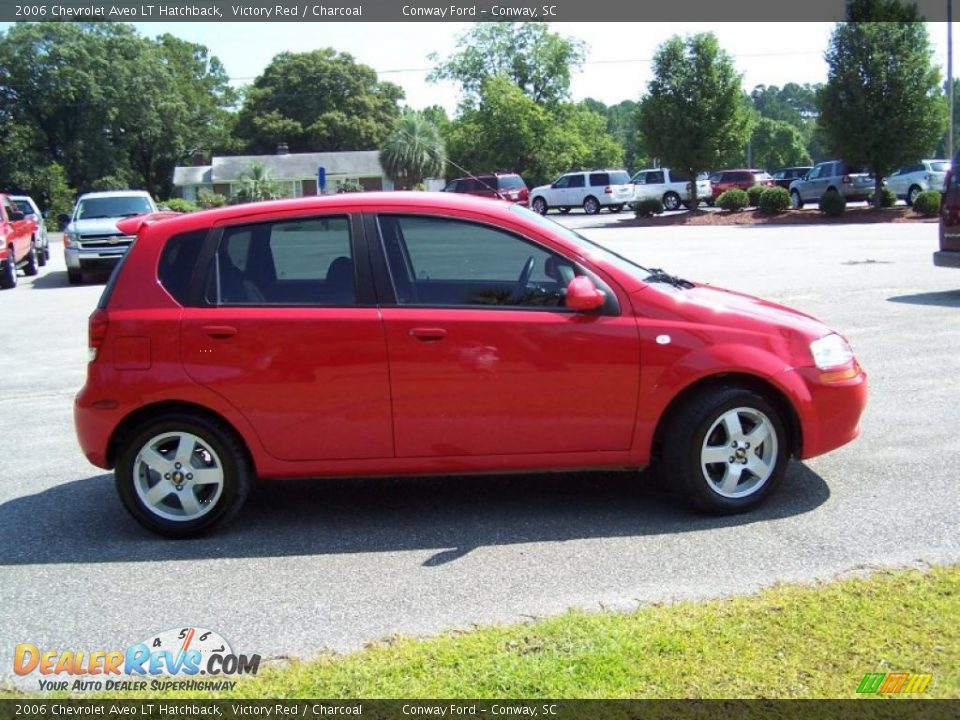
(115,193)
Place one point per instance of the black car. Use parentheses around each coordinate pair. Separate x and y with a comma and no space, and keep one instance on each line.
(784,176)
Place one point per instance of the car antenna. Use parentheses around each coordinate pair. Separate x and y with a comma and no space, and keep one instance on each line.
(463,170)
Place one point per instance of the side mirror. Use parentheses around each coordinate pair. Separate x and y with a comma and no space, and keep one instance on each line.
(63,219)
(583,295)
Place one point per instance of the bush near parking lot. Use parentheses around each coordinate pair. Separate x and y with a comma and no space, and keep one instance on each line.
(887,199)
(733,200)
(774,200)
(927,203)
(209,199)
(180,205)
(833,203)
(648,207)
(753,195)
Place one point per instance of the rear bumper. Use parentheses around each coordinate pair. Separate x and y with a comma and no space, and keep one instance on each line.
(947,258)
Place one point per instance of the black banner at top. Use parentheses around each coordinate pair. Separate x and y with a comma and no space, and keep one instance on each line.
(438,11)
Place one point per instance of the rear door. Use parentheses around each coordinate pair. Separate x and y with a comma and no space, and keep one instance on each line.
(484,357)
(289,333)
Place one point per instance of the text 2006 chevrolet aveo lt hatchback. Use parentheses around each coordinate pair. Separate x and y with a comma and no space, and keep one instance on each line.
(413,333)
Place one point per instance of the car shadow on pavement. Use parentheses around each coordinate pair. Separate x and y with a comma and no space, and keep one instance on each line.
(58,279)
(83,521)
(945,298)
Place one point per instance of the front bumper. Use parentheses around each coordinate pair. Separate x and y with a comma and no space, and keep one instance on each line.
(947,258)
(80,258)
(828,409)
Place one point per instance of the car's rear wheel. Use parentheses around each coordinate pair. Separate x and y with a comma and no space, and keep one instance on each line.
(8,273)
(179,475)
(74,277)
(671,201)
(796,202)
(591,206)
(539,206)
(726,449)
(43,254)
(912,194)
(32,267)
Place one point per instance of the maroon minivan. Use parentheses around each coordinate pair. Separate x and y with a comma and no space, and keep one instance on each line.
(503,186)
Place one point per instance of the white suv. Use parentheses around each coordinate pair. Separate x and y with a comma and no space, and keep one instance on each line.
(592,190)
(669,187)
(911,180)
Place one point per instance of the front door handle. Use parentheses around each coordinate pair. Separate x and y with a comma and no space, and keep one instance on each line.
(220,332)
(428,334)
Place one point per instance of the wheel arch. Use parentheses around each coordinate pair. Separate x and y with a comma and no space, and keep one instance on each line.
(763,387)
(126,427)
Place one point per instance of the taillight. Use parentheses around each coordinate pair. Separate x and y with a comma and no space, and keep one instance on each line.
(608,190)
(846,180)
(96,332)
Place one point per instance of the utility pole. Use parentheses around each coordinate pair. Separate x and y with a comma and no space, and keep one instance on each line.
(950,76)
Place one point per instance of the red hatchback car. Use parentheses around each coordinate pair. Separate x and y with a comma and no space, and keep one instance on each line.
(413,333)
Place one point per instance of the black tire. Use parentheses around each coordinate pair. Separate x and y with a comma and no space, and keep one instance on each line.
(74,277)
(671,201)
(32,267)
(237,473)
(912,194)
(539,206)
(591,206)
(795,200)
(684,442)
(616,208)
(8,273)
(42,256)
(710,202)
(564,210)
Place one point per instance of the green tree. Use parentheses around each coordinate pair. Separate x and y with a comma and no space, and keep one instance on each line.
(507,130)
(622,127)
(695,113)
(536,60)
(882,105)
(256,184)
(317,101)
(776,144)
(413,151)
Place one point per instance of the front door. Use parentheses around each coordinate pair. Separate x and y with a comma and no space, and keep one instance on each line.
(484,358)
(288,342)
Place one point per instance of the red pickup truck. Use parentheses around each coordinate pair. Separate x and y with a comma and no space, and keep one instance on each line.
(18,247)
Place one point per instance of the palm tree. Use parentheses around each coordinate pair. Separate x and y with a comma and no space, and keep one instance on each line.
(257,184)
(413,151)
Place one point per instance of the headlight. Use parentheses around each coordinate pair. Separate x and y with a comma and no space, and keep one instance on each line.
(70,238)
(830,351)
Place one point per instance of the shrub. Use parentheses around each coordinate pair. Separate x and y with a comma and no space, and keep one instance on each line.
(927,203)
(753,195)
(774,200)
(887,199)
(349,185)
(833,203)
(209,199)
(648,207)
(180,205)
(733,200)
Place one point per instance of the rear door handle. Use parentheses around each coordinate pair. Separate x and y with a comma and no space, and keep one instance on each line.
(428,334)
(220,331)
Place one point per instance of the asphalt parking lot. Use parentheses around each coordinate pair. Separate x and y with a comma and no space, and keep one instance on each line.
(334,564)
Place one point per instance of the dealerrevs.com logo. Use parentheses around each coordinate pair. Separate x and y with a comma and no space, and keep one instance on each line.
(182,652)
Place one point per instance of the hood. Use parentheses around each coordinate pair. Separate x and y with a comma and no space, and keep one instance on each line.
(717,306)
(94,226)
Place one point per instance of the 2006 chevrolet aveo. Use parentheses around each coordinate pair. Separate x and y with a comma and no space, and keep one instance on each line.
(414,333)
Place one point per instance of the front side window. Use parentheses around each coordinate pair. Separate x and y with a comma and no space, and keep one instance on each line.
(454,263)
(295,262)
(563,182)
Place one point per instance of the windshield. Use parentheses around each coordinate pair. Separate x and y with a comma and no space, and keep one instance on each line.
(24,207)
(111,207)
(589,247)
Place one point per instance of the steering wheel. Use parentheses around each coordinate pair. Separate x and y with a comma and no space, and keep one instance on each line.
(524,279)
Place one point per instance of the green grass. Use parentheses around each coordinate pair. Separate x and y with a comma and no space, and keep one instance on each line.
(790,641)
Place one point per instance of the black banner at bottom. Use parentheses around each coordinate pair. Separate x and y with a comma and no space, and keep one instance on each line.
(866,709)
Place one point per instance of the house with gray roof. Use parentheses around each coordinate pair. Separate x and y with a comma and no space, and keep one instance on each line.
(295,173)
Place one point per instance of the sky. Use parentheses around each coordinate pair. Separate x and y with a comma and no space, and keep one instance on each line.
(617,64)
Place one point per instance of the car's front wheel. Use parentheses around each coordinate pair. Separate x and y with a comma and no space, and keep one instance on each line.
(671,201)
(181,474)
(912,194)
(726,449)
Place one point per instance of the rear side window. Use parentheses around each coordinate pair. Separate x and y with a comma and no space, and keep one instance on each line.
(679,176)
(294,262)
(598,179)
(939,166)
(177,263)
